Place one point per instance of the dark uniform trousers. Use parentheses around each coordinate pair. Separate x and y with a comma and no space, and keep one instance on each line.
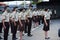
(39,18)
(25,28)
(14,29)
(6,31)
(28,26)
(0,27)
(11,26)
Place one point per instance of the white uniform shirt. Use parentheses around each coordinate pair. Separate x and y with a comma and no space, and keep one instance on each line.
(40,12)
(22,15)
(35,13)
(50,12)
(12,15)
(16,16)
(5,16)
(0,18)
(47,15)
(29,13)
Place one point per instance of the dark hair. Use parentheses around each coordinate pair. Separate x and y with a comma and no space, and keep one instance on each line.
(20,9)
(46,9)
(0,10)
(14,8)
(5,7)
(30,5)
(23,9)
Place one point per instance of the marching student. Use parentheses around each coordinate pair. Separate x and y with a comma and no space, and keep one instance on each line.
(46,27)
(34,17)
(0,24)
(21,19)
(39,15)
(16,21)
(26,24)
(13,22)
(29,20)
(5,20)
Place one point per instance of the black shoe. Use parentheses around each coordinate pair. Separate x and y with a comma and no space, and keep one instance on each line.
(34,27)
(47,38)
(13,39)
(25,32)
(16,38)
(22,34)
(0,37)
(30,35)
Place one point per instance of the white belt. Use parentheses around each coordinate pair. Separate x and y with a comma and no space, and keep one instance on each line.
(29,16)
(6,21)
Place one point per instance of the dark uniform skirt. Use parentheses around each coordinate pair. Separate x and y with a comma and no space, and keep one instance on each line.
(34,18)
(21,28)
(46,28)
(37,18)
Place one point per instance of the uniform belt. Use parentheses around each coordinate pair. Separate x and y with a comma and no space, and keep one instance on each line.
(22,20)
(16,21)
(29,17)
(34,16)
(6,22)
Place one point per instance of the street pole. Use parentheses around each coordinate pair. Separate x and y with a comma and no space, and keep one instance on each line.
(24,4)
